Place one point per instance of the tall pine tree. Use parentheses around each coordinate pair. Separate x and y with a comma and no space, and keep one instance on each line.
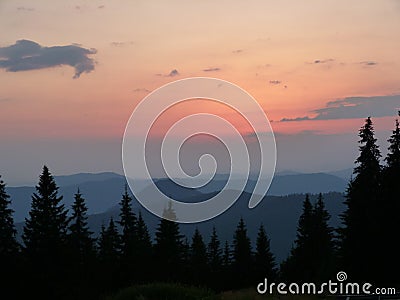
(198,259)
(296,266)
(9,249)
(82,251)
(128,223)
(390,206)
(360,235)
(144,250)
(215,261)
(8,246)
(109,245)
(323,243)
(214,252)
(80,238)
(44,236)
(242,256)
(264,260)
(168,250)
(312,257)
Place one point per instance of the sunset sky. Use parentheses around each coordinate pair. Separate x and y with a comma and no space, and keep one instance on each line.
(71,73)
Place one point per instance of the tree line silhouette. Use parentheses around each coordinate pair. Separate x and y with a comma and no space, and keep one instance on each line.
(61,259)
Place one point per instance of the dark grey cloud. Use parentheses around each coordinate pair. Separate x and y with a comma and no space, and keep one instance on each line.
(275,82)
(173,73)
(354,108)
(296,119)
(237,51)
(100,6)
(212,70)
(368,63)
(323,61)
(27,55)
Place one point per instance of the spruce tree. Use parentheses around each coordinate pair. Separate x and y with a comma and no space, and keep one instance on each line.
(225,281)
(81,251)
(45,229)
(390,206)
(80,238)
(226,257)
(9,248)
(8,245)
(144,251)
(198,259)
(361,234)
(168,250)
(215,261)
(128,223)
(393,156)
(109,245)
(214,252)
(264,260)
(44,236)
(242,255)
(296,266)
(323,250)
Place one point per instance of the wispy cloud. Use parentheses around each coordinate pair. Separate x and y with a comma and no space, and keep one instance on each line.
(354,108)
(122,44)
(141,90)
(306,118)
(27,55)
(3,100)
(212,70)
(24,8)
(368,63)
(327,61)
(237,51)
(275,82)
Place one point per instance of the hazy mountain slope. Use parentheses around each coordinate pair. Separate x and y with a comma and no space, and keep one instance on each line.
(279,214)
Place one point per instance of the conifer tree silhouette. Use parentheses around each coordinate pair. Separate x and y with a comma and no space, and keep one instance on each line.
(296,267)
(312,257)
(214,252)
(82,250)
(9,248)
(389,210)
(9,245)
(44,236)
(360,235)
(168,250)
(144,251)
(198,259)
(81,243)
(129,239)
(324,255)
(109,245)
(215,261)
(264,260)
(242,256)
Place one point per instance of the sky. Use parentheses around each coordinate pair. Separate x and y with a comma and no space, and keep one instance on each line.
(71,73)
